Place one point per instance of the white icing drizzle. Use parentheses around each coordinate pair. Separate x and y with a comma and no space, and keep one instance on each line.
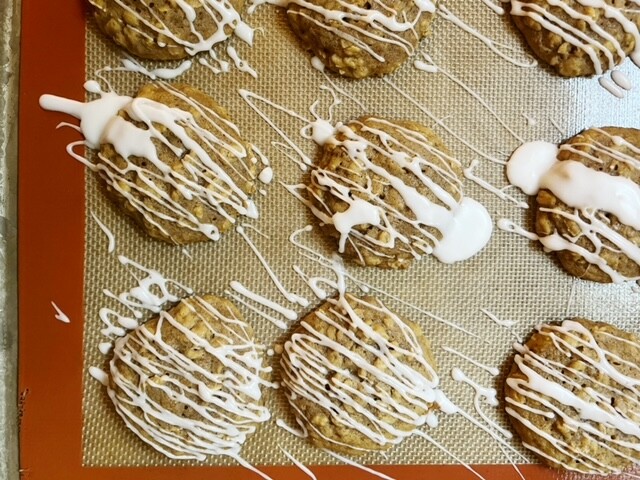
(498,321)
(105,347)
(229,401)
(425,67)
(448,452)
(509,324)
(621,79)
(611,87)
(529,164)
(110,236)
(244,291)
(93,86)
(302,433)
(512,462)
(510,226)
(560,130)
(476,96)
(441,123)
(317,64)
(240,64)
(221,66)
(345,94)
(493,371)
(486,395)
(151,292)
(250,98)
(591,45)
(544,383)
(386,25)
(319,130)
(206,179)
(358,465)
(94,116)
(422,311)
(494,6)
(260,156)
(281,324)
(248,226)
(298,464)
(129,64)
(500,49)
(220,12)
(487,426)
(618,85)
(99,375)
(60,315)
(266,175)
(289,296)
(531,121)
(314,283)
(534,166)
(501,193)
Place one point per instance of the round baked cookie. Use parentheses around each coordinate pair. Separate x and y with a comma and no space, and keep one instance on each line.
(169,29)
(358,377)
(373,162)
(174,162)
(188,381)
(579,37)
(573,394)
(360,38)
(615,151)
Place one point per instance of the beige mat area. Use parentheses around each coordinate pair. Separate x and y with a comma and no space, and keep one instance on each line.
(512,278)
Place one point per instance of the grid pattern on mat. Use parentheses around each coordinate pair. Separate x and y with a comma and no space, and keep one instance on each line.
(512,278)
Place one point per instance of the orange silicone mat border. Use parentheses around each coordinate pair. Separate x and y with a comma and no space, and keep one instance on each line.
(51,256)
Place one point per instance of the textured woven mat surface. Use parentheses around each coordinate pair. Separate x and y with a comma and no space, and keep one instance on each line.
(512,278)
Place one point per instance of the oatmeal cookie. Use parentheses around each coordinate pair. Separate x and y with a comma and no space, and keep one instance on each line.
(576,38)
(572,396)
(615,151)
(176,164)
(384,163)
(188,381)
(167,29)
(360,38)
(358,377)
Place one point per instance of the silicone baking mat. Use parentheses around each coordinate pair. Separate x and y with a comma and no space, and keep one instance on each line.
(482,105)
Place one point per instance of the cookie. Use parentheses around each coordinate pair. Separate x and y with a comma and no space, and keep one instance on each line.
(389,190)
(596,244)
(169,29)
(188,381)
(360,38)
(174,162)
(579,37)
(358,377)
(573,394)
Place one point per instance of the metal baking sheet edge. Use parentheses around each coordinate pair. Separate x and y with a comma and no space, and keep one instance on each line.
(9,409)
